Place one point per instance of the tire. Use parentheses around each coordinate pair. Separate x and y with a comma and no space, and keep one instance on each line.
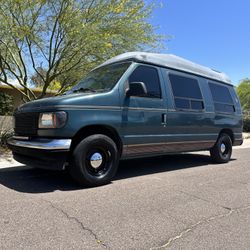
(222,150)
(94,161)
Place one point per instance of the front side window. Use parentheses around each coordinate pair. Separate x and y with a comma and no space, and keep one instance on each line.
(149,76)
(102,79)
(222,98)
(187,93)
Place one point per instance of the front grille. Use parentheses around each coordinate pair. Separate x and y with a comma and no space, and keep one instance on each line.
(26,124)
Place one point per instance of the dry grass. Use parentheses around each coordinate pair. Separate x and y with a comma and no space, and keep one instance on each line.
(5,154)
(246,135)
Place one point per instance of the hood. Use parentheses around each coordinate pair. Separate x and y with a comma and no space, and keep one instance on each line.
(52,102)
(66,101)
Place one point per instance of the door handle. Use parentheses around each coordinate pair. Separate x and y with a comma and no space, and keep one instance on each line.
(164,119)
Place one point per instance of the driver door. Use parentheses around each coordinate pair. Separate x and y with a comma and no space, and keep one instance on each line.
(144,117)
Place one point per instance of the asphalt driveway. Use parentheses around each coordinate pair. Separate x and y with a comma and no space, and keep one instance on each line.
(180,201)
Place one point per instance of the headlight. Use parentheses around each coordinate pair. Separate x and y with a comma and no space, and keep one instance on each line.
(52,119)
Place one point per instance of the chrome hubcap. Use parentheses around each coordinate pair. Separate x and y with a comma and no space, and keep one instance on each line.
(96,160)
(222,148)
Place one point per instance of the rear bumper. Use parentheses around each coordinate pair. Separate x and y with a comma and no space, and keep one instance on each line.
(41,153)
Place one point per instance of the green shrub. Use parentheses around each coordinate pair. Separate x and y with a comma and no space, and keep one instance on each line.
(6,104)
(4,136)
(246,123)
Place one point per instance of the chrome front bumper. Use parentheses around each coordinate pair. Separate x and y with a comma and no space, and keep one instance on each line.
(40,143)
(40,152)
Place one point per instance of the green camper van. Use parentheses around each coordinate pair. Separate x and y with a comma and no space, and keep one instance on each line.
(134,105)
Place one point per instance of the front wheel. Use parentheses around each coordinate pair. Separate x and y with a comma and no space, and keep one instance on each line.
(94,161)
(222,150)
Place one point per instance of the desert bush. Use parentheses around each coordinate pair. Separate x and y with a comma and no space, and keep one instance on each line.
(246,123)
(6,104)
(4,136)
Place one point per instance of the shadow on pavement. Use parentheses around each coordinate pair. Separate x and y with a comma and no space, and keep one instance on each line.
(30,180)
(147,166)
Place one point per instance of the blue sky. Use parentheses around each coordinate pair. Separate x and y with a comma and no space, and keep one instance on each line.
(214,33)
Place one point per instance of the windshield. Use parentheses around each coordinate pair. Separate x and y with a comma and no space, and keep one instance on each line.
(101,79)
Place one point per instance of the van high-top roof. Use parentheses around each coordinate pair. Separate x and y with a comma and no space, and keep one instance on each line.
(170,61)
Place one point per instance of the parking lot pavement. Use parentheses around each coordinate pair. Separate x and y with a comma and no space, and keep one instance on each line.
(179,201)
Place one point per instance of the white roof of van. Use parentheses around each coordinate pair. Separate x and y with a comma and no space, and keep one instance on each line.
(171,61)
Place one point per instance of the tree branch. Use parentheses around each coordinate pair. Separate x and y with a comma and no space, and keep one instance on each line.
(32,59)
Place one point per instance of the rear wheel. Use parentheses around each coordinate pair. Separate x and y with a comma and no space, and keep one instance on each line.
(94,161)
(222,150)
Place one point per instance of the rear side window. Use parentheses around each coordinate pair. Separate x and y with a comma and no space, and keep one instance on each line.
(223,101)
(187,93)
(149,76)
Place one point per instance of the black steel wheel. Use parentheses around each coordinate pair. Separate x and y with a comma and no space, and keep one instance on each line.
(222,150)
(94,160)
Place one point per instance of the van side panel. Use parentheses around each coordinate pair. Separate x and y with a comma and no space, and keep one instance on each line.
(229,121)
(238,128)
(189,125)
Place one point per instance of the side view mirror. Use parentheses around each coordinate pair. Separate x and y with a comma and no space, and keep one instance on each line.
(137,89)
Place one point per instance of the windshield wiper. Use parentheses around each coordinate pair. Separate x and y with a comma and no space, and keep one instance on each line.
(84,90)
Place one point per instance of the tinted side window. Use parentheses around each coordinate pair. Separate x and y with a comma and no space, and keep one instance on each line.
(187,93)
(185,87)
(222,98)
(149,76)
(220,93)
